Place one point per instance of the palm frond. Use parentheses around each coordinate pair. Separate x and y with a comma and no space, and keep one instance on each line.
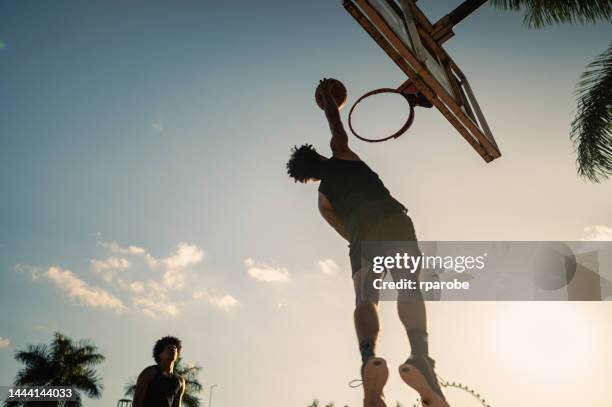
(130,388)
(34,355)
(88,382)
(540,13)
(191,400)
(592,126)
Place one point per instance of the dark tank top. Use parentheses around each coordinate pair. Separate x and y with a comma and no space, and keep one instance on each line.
(357,194)
(162,390)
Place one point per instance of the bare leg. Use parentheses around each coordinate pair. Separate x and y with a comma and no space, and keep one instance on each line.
(367,324)
(412,313)
(374,371)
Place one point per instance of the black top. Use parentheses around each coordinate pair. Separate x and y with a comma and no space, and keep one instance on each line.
(357,194)
(162,390)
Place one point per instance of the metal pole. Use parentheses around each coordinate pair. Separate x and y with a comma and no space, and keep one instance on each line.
(443,28)
(210,395)
(463,10)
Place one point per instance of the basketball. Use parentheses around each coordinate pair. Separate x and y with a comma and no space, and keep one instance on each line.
(337,90)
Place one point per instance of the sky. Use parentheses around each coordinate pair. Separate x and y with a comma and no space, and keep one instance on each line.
(142,169)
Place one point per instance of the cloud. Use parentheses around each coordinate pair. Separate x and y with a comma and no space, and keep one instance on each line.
(85,294)
(135,287)
(174,279)
(185,256)
(597,232)
(35,272)
(154,301)
(108,268)
(4,342)
(112,263)
(146,282)
(328,267)
(266,273)
(224,302)
(156,308)
(115,248)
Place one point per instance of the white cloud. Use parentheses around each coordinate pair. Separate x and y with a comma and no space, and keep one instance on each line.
(597,232)
(111,263)
(116,248)
(4,342)
(137,287)
(266,273)
(328,267)
(185,256)
(85,294)
(156,308)
(224,302)
(138,251)
(174,279)
(154,301)
(132,271)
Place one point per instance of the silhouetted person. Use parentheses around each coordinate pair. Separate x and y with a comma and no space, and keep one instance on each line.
(158,385)
(355,202)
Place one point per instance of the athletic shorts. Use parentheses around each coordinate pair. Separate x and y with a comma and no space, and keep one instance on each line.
(396,227)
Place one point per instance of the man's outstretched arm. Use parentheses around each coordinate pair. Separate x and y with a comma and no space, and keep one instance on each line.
(339,140)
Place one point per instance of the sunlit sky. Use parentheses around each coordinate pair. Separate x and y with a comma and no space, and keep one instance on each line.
(142,153)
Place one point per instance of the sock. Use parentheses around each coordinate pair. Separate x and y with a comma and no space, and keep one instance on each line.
(418,341)
(367,350)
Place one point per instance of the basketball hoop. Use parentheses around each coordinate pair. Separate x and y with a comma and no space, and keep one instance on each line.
(412,96)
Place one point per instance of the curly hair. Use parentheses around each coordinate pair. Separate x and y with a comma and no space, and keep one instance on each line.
(161,344)
(304,163)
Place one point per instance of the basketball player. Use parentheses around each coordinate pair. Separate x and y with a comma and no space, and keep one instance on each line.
(158,385)
(354,201)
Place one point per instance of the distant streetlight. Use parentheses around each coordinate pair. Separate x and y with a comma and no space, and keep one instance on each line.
(210,394)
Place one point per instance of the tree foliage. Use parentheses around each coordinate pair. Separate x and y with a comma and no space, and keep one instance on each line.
(62,363)
(592,125)
(540,13)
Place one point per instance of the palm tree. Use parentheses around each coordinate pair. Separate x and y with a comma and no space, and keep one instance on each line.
(192,385)
(592,126)
(63,363)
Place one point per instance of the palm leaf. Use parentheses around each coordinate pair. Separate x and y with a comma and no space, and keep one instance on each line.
(592,125)
(540,13)
(130,388)
(191,400)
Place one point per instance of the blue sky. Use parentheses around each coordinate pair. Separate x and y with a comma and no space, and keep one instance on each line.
(165,126)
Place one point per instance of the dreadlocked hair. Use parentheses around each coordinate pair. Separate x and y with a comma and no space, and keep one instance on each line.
(304,163)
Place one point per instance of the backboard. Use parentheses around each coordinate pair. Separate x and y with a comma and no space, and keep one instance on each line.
(415,45)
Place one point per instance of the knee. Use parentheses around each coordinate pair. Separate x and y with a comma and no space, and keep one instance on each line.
(362,306)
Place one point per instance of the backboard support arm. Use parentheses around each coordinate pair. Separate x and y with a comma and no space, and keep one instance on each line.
(443,28)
